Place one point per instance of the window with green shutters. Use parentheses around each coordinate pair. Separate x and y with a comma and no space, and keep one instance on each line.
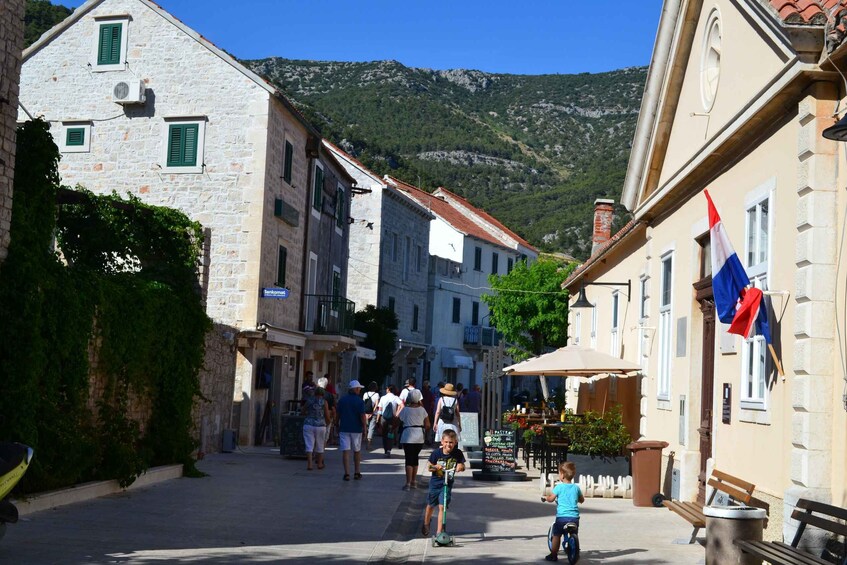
(286,168)
(182,145)
(75,137)
(339,209)
(109,47)
(317,189)
(282,258)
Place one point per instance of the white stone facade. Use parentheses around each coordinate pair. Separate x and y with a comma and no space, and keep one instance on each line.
(11,44)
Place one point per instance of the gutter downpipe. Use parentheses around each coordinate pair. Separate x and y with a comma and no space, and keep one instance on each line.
(650,102)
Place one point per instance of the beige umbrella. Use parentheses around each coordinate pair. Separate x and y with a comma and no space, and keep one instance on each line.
(572,361)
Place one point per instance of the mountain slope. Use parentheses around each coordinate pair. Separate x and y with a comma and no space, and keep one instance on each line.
(535,151)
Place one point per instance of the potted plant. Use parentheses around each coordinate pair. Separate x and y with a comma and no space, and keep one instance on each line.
(597,444)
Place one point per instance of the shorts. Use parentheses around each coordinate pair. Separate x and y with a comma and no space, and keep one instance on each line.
(435,496)
(314,438)
(561,521)
(346,440)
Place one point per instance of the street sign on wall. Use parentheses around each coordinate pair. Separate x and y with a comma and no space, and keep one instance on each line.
(275,292)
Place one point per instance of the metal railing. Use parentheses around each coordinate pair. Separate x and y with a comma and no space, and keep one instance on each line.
(328,314)
(481,336)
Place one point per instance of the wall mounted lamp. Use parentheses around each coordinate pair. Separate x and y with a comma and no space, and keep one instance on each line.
(837,132)
(582,300)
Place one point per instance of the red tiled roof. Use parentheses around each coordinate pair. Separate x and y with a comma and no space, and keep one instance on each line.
(447,212)
(606,247)
(832,13)
(488,218)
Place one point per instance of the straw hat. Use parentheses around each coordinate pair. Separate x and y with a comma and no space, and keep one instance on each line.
(448,390)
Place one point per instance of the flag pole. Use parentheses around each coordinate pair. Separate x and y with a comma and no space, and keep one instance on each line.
(776,360)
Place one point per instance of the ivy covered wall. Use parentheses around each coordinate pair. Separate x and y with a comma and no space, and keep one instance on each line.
(103,330)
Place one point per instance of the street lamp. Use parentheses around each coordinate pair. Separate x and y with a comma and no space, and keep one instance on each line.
(582,300)
(837,132)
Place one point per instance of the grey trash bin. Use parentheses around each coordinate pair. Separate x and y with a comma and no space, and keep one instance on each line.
(724,525)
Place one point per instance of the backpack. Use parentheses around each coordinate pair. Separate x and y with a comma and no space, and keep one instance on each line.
(448,412)
(388,411)
(369,404)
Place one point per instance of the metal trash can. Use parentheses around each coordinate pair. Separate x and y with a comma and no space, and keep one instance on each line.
(724,525)
(646,470)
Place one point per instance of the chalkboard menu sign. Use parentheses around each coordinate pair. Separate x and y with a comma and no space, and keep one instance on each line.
(499,452)
(291,442)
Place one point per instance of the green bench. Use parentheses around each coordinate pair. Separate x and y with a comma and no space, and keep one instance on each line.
(807,512)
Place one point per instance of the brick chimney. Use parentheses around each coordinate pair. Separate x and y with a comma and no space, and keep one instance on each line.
(602,223)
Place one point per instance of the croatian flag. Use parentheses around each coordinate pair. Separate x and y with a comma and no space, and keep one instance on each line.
(737,305)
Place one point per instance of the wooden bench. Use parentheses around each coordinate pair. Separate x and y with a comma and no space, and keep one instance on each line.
(779,553)
(740,492)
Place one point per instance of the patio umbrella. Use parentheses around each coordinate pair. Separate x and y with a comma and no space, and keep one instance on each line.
(572,361)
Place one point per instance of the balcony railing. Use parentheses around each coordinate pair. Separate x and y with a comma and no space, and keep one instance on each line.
(328,314)
(481,336)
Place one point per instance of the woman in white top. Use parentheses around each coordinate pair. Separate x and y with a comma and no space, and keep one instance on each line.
(447,415)
(415,422)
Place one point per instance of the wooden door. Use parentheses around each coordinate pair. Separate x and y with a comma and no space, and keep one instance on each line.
(707,308)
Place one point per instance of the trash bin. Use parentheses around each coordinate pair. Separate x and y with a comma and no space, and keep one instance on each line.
(646,470)
(724,525)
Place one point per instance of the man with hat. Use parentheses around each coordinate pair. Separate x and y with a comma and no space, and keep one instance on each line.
(352,422)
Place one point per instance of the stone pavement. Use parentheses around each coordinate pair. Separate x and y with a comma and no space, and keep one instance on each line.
(256,507)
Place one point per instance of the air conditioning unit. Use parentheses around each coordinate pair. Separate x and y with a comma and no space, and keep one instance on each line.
(128,92)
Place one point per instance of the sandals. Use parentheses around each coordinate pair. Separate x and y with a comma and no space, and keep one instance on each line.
(346,477)
(357,476)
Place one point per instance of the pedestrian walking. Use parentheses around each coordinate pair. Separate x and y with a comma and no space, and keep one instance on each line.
(352,422)
(330,399)
(407,388)
(371,400)
(387,410)
(314,426)
(448,457)
(415,424)
(447,416)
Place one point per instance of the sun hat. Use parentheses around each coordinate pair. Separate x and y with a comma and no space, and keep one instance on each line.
(355,384)
(448,390)
(414,396)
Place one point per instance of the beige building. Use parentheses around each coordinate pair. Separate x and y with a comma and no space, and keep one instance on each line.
(737,96)
(11,45)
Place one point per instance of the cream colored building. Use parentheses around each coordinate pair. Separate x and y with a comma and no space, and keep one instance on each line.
(737,95)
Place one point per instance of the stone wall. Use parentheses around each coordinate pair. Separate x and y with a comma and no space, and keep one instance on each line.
(212,413)
(11,43)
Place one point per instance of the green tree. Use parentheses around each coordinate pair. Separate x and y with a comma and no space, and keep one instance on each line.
(529,306)
(380,324)
(39,16)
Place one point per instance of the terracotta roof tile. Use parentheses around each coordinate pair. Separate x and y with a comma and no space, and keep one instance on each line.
(622,233)
(449,213)
(831,13)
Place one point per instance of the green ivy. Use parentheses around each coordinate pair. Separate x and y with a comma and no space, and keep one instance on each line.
(125,286)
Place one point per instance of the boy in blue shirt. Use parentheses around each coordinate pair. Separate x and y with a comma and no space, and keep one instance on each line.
(567,496)
(443,462)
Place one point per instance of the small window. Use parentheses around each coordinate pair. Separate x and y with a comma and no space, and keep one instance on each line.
(477,259)
(475,314)
(495,263)
(318,190)
(395,247)
(74,137)
(282,258)
(510,264)
(415,314)
(419,258)
(109,50)
(407,258)
(287,164)
(457,310)
(183,148)
(340,212)
(391,303)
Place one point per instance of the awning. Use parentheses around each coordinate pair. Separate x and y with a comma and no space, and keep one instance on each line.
(365,353)
(455,359)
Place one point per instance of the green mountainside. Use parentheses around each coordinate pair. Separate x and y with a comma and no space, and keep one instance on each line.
(534,151)
(41,15)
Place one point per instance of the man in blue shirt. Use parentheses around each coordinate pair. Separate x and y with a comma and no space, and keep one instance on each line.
(352,423)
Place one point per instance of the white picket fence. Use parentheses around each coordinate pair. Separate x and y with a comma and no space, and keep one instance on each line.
(602,487)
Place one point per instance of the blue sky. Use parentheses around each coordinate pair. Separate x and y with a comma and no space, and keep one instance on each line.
(528,37)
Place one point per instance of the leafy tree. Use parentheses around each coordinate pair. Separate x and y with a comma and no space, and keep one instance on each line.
(380,324)
(529,306)
(39,16)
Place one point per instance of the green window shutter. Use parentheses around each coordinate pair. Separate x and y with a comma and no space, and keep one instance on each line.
(280,266)
(182,145)
(75,137)
(317,191)
(109,50)
(289,155)
(339,209)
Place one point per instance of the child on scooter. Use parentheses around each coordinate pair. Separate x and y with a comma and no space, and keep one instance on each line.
(567,496)
(442,460)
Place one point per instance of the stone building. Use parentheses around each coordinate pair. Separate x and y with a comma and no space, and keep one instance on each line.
(139,103)
(11,45)
(389,257)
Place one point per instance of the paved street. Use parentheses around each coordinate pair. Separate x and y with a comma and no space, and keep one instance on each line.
(256,507)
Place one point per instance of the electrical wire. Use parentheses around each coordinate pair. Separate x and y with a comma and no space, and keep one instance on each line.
(556,293)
